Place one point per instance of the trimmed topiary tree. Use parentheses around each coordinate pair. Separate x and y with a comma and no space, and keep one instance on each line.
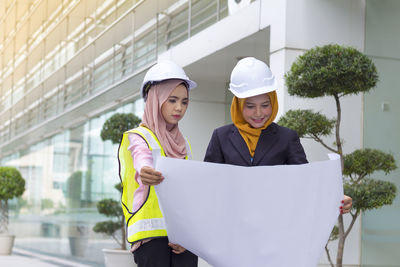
(112,209)
(116,125)
(113,129)
(11,185)
(336,71)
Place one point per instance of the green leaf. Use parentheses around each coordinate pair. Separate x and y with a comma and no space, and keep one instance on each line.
(109,207)
(107,227)
(371,194)
(116,125)
(11,183)
(118,187)
(307,123)
(363,162)
(334,234)
(331,70)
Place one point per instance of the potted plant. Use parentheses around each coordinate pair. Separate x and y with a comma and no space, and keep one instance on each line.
(115,228)
(11,185)
(112,130)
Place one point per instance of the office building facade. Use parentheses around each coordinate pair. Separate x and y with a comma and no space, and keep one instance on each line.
(68,65)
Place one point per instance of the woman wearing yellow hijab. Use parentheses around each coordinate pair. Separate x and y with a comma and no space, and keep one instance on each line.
(254,139)
(252,115)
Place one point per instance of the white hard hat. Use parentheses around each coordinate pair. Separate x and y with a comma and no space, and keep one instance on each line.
(164,70)
(251,77)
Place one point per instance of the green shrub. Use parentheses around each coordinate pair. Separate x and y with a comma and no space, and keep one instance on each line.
(11,185)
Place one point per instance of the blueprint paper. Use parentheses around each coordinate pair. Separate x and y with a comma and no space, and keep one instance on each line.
(233,216)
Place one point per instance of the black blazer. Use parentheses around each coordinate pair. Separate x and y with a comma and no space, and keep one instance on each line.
(277,146)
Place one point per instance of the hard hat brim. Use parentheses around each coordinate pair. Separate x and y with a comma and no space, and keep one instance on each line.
(255,91)
(191,84)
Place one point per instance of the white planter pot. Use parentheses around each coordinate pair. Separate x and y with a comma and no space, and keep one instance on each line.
(6,244)
(118,258)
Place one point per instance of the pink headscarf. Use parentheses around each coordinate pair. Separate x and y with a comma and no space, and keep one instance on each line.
(171,139)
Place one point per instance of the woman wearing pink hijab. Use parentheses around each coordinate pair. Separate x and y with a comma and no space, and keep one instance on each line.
(165,89)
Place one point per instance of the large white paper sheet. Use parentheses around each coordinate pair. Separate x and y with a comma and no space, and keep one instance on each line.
(234,216)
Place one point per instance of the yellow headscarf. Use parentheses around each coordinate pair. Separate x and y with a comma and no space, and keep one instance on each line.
(250,134)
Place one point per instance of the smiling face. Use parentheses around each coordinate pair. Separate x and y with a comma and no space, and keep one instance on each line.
(257,110)
(174,108)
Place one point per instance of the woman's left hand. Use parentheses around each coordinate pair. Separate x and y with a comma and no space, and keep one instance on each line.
(347,203)
(177,249)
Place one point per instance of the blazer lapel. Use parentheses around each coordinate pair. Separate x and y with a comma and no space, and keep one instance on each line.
(267,138)
(240,145)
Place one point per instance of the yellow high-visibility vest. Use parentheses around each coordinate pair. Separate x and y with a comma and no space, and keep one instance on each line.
(147,221)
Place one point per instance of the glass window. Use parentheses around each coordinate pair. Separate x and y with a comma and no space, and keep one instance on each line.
(380,242)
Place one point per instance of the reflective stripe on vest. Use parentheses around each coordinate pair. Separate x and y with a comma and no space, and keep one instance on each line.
(148,220)
(146,225)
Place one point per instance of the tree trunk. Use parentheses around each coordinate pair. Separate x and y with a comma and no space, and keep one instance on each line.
(338,119)
(339,256)
(3,216)
(340,250)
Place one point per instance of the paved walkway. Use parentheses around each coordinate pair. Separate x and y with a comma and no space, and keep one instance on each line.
(26,258)
(21,257)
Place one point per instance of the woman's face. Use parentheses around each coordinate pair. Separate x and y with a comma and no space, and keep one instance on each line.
(257,110)
(174,108)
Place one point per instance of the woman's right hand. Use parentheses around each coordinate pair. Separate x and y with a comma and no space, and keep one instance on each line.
(177,249)
(150,176)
